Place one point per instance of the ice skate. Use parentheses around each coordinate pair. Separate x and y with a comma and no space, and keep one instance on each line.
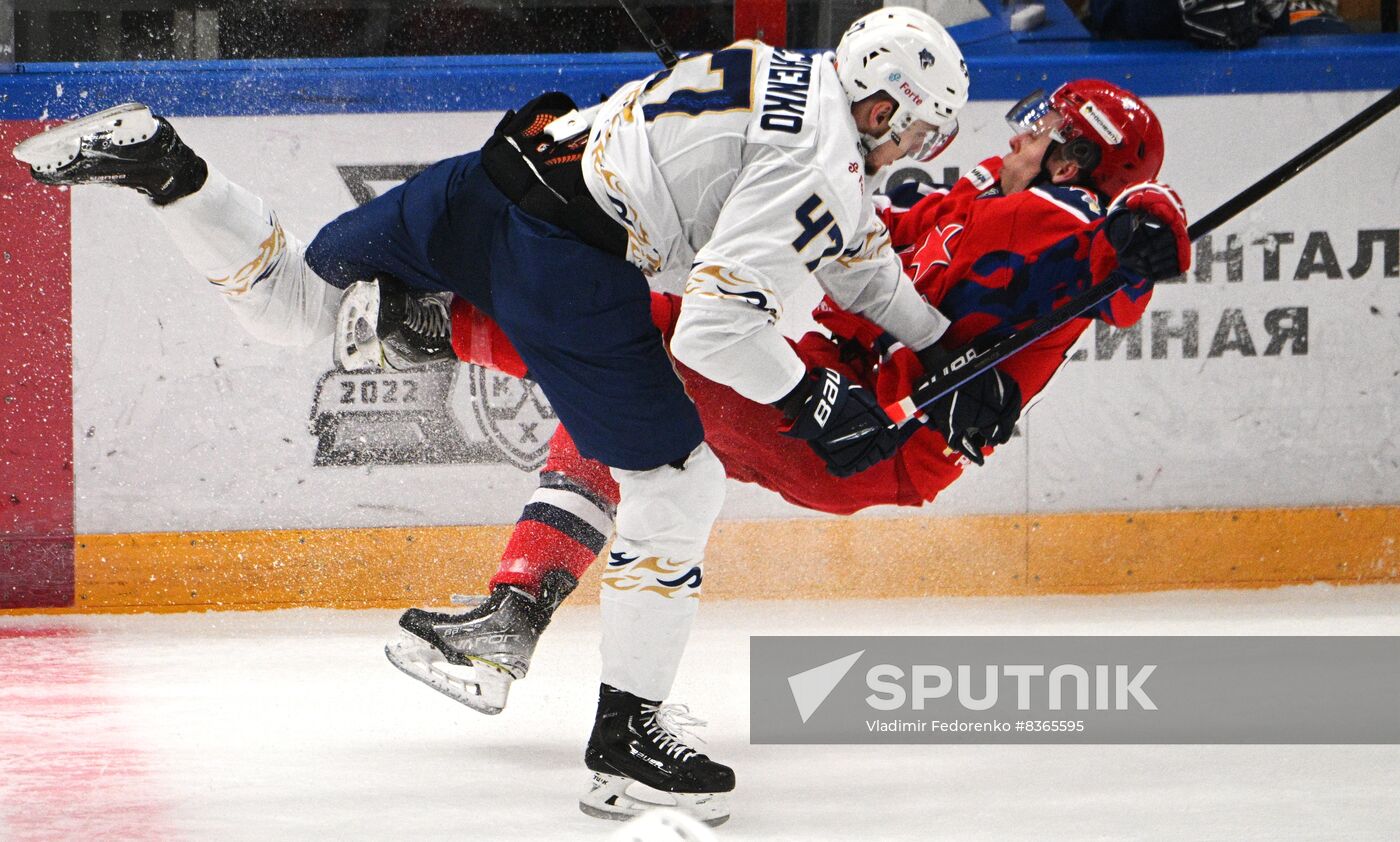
(474,657)
(384,324)
(640,760)
(127,146)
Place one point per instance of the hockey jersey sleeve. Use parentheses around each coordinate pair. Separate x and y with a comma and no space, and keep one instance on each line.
(1000,261)
(1126,306)
(869,280)
(783,221)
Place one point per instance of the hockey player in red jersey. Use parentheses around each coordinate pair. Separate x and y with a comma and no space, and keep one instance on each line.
(1071,202)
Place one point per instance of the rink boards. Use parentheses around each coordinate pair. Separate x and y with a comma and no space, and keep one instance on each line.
(1243,434)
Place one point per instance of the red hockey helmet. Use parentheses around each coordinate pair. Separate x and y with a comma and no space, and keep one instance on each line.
(1122,135)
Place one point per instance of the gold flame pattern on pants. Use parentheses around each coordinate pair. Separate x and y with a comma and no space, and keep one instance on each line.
(269,252)
(671,578)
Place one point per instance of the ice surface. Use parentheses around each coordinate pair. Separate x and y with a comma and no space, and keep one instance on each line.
(292,725)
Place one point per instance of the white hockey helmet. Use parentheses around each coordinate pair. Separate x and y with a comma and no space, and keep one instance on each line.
(909,56)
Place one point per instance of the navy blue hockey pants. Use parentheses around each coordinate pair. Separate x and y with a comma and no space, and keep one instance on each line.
(580,317)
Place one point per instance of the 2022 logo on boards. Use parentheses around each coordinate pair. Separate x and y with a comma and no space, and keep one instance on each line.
(447,413)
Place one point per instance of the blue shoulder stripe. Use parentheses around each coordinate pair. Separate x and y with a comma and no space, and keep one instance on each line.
(1082,203)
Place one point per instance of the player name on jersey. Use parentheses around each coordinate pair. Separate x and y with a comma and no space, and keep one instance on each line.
(785,100)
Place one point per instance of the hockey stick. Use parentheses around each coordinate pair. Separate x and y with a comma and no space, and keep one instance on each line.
(983,353)
(647,25)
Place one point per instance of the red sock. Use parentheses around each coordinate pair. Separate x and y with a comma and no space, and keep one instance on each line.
(566,523)
(476,338)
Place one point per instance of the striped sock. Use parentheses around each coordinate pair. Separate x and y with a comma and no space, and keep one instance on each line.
(565,525)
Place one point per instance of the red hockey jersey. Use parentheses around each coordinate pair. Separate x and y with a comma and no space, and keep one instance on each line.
(989,262)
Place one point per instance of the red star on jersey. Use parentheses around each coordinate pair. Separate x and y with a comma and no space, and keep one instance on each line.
(935,250)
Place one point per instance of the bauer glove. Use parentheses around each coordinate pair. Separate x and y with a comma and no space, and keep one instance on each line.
(840,421)
(980,413)
(1146,226)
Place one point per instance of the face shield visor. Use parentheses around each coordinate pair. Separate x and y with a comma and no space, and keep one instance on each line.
(1036,116)
(922,141)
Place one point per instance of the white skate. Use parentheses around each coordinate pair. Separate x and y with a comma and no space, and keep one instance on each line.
(357,345)
(123,125)
(383,324)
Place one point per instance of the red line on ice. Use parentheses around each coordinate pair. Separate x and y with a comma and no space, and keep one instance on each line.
(70,765)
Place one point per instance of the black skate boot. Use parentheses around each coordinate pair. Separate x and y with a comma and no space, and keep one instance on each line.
(382,323)
(638,741)
(126,145)
(493,642)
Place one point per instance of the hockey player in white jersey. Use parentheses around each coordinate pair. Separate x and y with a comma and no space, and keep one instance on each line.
(742,166)
(747,166)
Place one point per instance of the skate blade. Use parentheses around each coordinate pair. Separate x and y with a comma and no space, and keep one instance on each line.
(357,346)
(481,687)
(58,147)
(618,798)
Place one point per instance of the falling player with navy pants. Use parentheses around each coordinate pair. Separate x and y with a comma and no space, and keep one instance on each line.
(580,317)
(745,168)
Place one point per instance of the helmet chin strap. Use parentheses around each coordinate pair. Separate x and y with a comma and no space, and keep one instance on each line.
(869,142)
(1042,175)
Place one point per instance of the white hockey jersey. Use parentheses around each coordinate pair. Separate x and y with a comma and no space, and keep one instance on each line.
(744,166)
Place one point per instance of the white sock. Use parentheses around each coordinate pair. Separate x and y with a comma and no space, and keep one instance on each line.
(651,587)
(646,624)
(225,234)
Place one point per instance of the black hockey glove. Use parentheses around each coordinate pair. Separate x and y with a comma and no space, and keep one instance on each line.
(1221,24)
(980,413)
(840,421)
